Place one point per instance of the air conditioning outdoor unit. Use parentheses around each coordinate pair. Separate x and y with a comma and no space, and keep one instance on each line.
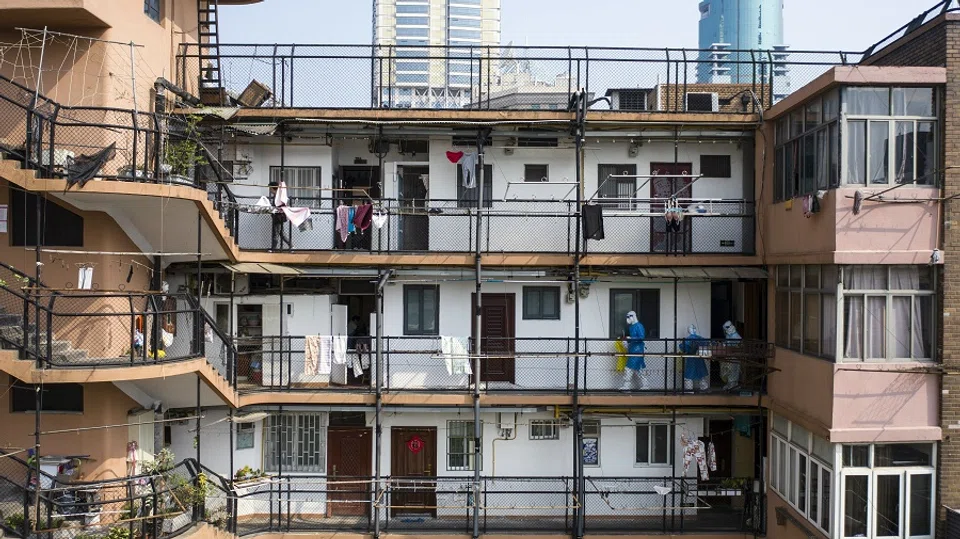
(702,102)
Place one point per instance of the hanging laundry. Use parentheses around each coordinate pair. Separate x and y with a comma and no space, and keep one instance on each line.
(311,354)
(85,278)
(357,366)
(207,333)
(593,222)
(296,216)
(454,157)
(280,198)
(712,457)
(166,338)
(343,215)
(306,225)
(326,355)
(673,214)
(455,355)
(361,218)
(693,450)
(340,349)
(84,168)
(379,219)
(352,212)
(662,490)
(469,165)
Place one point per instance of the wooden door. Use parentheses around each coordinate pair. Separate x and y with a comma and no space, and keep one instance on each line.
(349,457)
(414,220)
(497,337)
(413,457)
(662,187)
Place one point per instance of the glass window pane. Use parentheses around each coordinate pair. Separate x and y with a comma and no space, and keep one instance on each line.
(774,464)
(809,164)
(876,326)
(822,160)
(811,277)
(823,449)
(782,471)
(856,152)
(879,151)
(856,456)
(855,506)
(795,320)
(643,444)
(622,304)
(813,114)
(926,153)
(831,105)
(802,483)
(792,466)
(888,505)
(811,323)
(922,327)
(796,276)
(783,318)
(829,278)
(828,325)
(430,310)
(780,424)
(778,175)
(783,276)
(921,505)
(867,101)
(796,123)
(825,514)
(903,152)
(913,102)
(661,444)
(814,513)
(865,277)
(887,455)
(853,327)
(902,315)
(791,169)
(834,142)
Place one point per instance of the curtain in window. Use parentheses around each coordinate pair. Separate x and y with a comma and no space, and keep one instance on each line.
(828,323)
(856,152)
(864,314)
(908,315)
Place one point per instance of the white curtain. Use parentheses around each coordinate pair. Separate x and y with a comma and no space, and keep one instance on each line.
(908,312)
(828,323)
(864,314)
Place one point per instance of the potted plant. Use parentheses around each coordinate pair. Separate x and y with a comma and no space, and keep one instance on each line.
(183,156)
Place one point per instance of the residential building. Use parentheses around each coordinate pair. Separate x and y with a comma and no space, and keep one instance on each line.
(437,45)
(626,316)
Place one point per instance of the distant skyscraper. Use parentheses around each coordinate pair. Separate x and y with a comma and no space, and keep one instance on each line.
(727,25)
(467,27)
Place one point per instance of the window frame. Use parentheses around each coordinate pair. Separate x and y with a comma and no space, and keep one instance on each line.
(790,459)
(551,432)
(469,442)
(787,290)
(242,434)
(595,424)
(652,332)
(543,177)
(153,9)
(671,445)
(295,423)
(892,120)
(408,291)
(542,291)
(792,134)
(603,171)
(308,196)
(723,163)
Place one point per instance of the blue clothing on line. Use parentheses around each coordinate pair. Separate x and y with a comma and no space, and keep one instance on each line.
(694,368)
(635,346)
(350,226)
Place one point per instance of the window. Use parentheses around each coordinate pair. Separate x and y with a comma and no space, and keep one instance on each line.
(412,32)
(295,441)
(467,198)
(545,430)
(53,397)
(303,184)
(461,446)
(654,444)
(465,34)
(890,136)
(715,166)
(416,8)
(888,313)
(245,435)
(413,21)
(464,11)
(152,9)
(590,451)
(888,490)
(807,152)
(421,310)
(62,227)
(646,303)
(541,303)
(801,471)
(806,309)
(167,436)
(464,23)
(621,189)
(536,173)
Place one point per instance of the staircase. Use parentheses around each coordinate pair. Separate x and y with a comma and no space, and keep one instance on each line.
(212,91)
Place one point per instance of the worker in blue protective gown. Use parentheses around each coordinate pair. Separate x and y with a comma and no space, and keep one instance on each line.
(635,349)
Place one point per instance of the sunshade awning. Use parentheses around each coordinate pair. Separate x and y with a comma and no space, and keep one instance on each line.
(711,273)
(262,268)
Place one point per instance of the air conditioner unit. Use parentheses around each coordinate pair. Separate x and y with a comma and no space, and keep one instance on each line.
(702,102)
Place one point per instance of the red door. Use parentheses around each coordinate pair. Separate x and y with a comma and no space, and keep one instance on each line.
(663,186)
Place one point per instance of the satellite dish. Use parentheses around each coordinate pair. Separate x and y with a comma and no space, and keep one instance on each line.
(857,202)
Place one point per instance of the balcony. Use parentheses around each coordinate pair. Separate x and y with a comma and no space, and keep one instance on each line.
(57,13)
(520,365)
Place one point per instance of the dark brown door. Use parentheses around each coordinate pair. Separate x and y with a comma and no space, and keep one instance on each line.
(497,337)
(413,457)
(663,186)
(348,465)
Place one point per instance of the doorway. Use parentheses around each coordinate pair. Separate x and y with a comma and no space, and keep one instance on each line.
(356,177)
(413,456)
(497,336)
(349,458)
(414,234)
(664,186)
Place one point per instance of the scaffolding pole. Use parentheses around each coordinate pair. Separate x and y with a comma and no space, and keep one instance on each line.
(378,412)
(579,130)
(477,333)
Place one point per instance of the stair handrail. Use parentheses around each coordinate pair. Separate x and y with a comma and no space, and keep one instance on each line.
(228,342)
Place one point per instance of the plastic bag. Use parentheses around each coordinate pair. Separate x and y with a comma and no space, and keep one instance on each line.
(621,355)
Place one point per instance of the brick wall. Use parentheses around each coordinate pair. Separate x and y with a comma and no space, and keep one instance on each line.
(925,49)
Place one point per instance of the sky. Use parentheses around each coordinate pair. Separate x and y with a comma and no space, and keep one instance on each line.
(850,25)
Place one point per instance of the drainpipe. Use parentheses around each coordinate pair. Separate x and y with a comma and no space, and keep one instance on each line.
(477,332)
(378,414)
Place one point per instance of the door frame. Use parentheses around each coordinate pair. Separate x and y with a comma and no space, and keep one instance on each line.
(368,465)
(396,445)
(512,378)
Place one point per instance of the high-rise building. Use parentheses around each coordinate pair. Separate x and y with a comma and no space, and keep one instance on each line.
(740,25)
(446,72)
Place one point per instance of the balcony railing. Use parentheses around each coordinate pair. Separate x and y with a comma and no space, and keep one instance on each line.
(494,77)
(631,226)
(535,364)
